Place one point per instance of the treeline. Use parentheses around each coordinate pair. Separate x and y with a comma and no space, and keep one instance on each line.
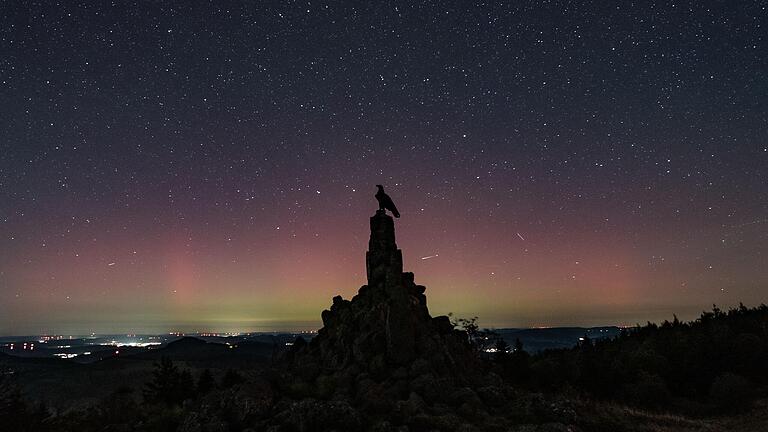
(719,361)
(157,406)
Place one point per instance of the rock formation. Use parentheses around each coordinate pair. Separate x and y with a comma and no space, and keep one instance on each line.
(382,363)
(386,327)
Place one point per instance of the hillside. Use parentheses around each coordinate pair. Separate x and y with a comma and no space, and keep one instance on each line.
(715,363)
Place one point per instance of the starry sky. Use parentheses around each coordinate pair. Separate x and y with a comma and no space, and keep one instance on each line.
(175,165)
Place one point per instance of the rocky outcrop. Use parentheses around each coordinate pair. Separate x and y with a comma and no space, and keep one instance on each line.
(382,363)
(386,330)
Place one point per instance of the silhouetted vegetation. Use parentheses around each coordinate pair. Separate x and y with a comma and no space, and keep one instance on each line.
(481,339)
(717,361)
(169,385)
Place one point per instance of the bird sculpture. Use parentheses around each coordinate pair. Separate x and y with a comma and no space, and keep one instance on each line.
(385,202)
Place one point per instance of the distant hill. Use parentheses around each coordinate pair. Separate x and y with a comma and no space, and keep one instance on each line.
(204,354)
(539,339)
(32,363)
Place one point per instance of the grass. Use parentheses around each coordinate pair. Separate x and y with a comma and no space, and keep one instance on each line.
(608,417)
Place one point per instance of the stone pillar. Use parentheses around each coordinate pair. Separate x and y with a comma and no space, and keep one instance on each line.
(384,264)
(383,261)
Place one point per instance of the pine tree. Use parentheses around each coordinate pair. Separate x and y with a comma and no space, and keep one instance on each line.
(169,385)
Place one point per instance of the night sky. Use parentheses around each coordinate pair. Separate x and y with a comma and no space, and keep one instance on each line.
(175,165)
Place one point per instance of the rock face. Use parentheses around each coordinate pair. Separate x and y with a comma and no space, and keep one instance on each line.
(386,327)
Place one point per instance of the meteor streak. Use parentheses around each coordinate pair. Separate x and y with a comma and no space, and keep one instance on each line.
(428,257)
(521,237)
(758,221)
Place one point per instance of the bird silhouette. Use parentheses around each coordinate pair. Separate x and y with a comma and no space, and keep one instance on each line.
(385,202)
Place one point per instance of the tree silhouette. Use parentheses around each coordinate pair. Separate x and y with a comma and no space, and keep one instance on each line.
(169,385)
(481,339)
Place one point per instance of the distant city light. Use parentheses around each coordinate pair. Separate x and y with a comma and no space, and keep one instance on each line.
(134,344)
(66,355)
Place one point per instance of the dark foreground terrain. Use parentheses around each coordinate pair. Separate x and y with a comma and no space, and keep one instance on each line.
(707,375)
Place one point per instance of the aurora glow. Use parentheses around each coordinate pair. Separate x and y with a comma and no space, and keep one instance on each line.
(168,166)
